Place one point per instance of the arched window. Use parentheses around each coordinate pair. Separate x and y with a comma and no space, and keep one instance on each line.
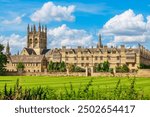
(30,41)
(36,41)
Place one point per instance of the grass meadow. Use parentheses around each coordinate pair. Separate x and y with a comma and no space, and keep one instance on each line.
(70,83)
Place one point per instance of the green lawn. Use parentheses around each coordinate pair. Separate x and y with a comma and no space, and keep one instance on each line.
(59,82)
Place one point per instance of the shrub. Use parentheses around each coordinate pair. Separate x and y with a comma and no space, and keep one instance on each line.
(84,92)
(122,69)
(20,67)
(102,67)
(74,68)
(143,66)
(57,66)
(78,69)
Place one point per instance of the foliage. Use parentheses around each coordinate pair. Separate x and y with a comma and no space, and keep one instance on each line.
(102,67)
(20,65)
(3,60)
(122,69)
(78,69)
(70,67)
(143,66)
(74,68)
(106,66)
(85,92)
(57,66)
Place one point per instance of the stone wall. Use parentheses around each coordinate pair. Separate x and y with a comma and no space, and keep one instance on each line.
(101,74)
(46,74)
(143,73)
(140,73)
(115,75)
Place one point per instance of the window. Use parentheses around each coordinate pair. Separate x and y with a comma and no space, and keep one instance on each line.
(118,57)
(66,58)
(36,41)
(101,58)
(75,64)
(82,58)
(114,52)
(70,52)
(133,65)
(87,64)
(96,57)
(109,58)
(82,64)
(75,58)
(95,64)
(87,58)
(30,41)
(130,57)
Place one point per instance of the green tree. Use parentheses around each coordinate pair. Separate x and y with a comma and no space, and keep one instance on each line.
(50,66)
(20,66)
(106,66)
(57,66)
(123,68)
(3,60)
(62,66)
(78,69)
(70,67)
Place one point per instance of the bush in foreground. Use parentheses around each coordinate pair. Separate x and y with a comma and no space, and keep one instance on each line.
(83,93)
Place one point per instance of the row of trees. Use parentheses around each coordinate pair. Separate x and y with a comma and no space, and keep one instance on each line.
(57,66)
(102,67)
(122,69)
(105,67)
(62,67)
(74,68)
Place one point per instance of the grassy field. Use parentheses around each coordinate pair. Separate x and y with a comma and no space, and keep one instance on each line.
(59,82)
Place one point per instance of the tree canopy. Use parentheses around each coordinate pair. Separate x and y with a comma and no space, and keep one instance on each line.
(3,60)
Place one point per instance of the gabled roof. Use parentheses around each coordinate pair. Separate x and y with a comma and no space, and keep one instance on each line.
(30,51)
(27,58)
(45,51)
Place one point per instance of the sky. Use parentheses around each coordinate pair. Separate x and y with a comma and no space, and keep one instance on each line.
(76,22)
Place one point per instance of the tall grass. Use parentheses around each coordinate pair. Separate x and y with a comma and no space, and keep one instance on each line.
(86,92)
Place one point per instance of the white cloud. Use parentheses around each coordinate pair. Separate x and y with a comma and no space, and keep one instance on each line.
(16,42)
(64,36)
(51,12)
(127,27)
(17,20)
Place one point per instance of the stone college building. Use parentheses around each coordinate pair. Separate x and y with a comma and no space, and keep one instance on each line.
(36,56)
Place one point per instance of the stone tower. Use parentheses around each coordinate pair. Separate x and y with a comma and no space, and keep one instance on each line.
(37,39)
(8,49)
(99,44)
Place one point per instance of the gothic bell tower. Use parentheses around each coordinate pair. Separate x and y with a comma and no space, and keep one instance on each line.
(37,39)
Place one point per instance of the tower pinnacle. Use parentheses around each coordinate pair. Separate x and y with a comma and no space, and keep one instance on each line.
(8,49)
(99,41)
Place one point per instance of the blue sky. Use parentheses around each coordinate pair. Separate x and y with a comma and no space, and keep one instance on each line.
(76,22)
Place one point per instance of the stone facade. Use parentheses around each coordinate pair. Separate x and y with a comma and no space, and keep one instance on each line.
(36,56)
(32,63)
